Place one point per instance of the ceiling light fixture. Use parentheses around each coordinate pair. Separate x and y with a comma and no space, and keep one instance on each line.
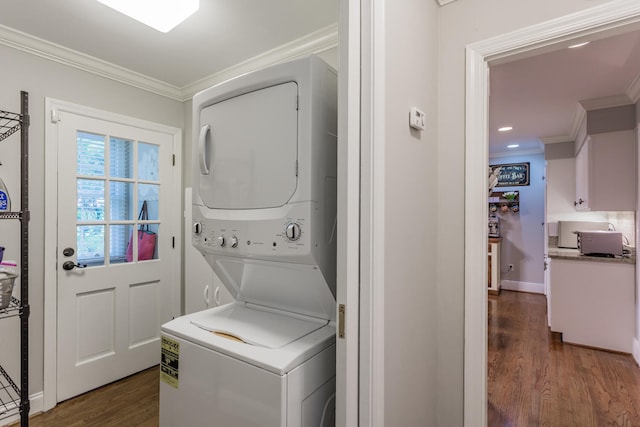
(163,15)
(573,46)
(513,145)
(505,129)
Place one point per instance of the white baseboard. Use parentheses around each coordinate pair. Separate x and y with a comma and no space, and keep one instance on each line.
(512,285)
(636,350)
(36,402)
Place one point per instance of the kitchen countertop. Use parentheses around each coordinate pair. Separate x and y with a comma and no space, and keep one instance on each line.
(574,255)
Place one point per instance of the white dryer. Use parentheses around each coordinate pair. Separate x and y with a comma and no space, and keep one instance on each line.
(264,217)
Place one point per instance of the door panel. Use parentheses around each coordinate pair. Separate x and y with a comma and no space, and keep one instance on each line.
(255,168)
(110,307)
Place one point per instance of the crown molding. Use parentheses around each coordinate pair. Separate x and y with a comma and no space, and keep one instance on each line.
(316,42)
(516,153)
(53,52)
(605,102)
(633,92)
(444,2)
(557,139)
(595,104)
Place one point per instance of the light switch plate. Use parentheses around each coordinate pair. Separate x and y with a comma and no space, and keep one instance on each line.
(416,118)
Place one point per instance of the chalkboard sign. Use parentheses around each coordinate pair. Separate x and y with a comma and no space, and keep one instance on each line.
(512,174)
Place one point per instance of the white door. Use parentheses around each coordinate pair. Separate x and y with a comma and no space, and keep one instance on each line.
(110,308)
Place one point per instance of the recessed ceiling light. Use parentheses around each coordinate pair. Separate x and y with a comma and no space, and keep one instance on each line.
(513,145)
(505,129)
(573,46)
(163,15)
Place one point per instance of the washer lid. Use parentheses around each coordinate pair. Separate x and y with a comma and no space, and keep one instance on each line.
(256,325)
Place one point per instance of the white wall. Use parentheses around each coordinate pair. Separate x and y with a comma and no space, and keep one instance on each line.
(43,78)
(463,22)
(410,325)
(523,233)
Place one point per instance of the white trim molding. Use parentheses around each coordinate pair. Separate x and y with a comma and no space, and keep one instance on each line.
(72,58)
(514,285)
(608,16)
(35,407)
(633,91)
(444,2)
(315,42)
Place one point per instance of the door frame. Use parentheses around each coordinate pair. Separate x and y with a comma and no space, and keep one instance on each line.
(608,17)
(348,349)
(52,107)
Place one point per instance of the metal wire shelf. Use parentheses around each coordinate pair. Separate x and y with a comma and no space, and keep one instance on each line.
(12,310)
(9,124)
(9,396)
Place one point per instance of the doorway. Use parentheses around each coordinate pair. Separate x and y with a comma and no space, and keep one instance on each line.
(611,17)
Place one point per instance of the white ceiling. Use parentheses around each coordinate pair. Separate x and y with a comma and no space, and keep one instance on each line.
(221,34)
(539,95)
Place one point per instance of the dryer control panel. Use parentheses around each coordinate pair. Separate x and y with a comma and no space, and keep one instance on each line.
(287,237)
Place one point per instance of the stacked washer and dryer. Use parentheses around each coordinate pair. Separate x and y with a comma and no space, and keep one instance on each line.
(264,218)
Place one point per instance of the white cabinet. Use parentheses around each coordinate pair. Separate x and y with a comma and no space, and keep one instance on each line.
(592,303)
(606,172)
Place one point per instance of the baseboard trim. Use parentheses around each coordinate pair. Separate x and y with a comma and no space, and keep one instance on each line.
(36,401)
(512,285)
(636,350)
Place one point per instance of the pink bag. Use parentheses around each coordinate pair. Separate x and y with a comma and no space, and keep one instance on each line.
(146,238)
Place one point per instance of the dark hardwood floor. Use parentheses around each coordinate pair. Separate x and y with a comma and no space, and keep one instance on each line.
(130,402)
(536,381)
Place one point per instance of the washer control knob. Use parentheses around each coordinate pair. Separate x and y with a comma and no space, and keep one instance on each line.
(197,228)
(293,231)
(233,242)
(222,241)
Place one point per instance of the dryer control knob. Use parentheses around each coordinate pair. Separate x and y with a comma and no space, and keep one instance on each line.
(233,242)
(221,241)
(197,228)
(293,231)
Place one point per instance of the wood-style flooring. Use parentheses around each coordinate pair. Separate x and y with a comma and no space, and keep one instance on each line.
(534,380)
(130,402)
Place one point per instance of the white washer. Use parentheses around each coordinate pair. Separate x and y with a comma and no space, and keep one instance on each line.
(285,377)
(264,216)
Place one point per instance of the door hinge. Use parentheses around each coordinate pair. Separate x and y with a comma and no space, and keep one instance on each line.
(173,160)
(341,314)
(173,242)
(297,102)
(297,168)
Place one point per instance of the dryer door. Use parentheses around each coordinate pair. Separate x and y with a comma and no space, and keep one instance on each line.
(248,148)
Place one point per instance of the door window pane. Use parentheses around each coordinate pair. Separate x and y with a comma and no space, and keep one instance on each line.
(121,158)
(90,244)
(150,193)
(90,154)
(119,237)
(147,243)
(148,169)
(121,200)
(90,200)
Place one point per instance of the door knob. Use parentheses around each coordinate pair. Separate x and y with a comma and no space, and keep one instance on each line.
(70,265)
